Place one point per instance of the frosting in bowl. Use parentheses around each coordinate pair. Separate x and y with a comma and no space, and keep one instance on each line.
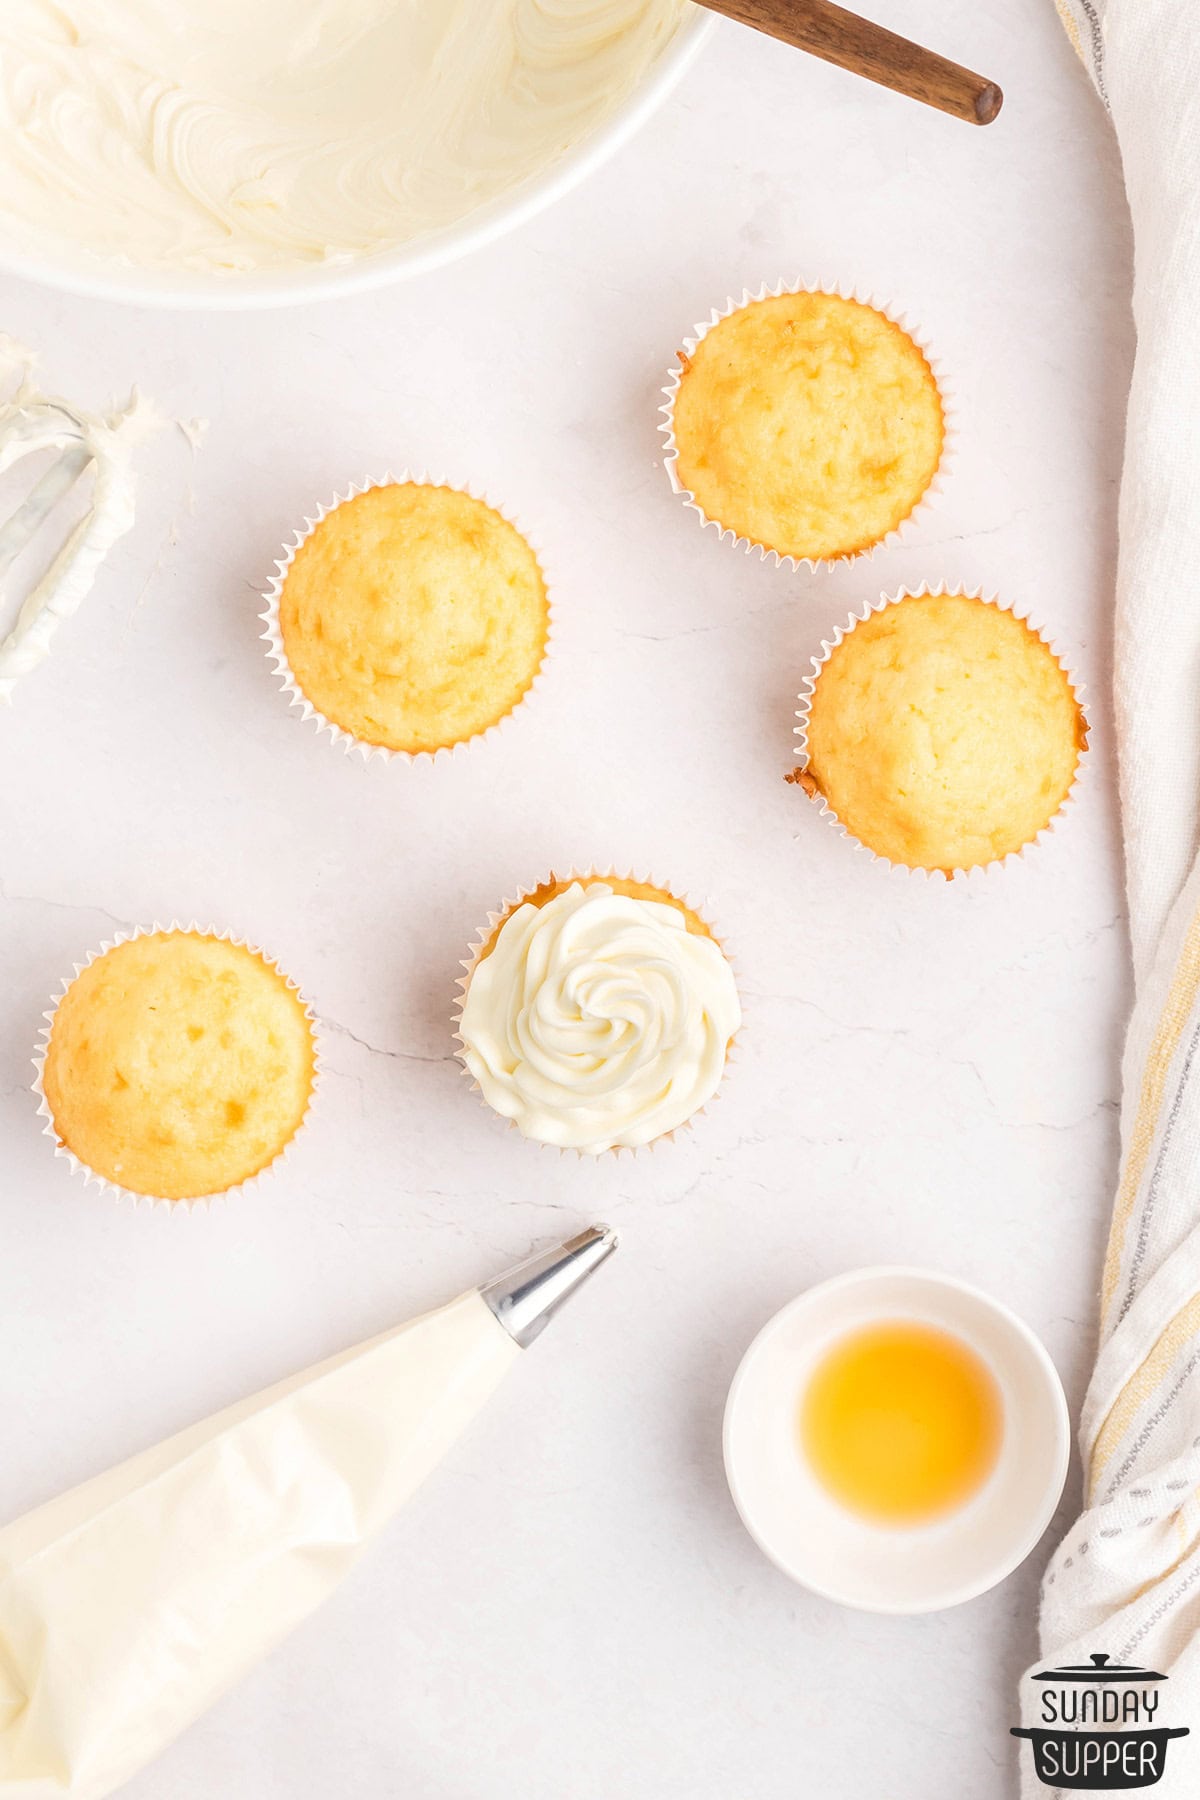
(235,137)
(598,1021)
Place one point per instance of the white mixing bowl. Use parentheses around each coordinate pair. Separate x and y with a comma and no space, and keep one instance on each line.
(213,292)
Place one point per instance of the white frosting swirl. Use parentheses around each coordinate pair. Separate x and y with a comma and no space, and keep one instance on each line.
(598,1021)
(234,135)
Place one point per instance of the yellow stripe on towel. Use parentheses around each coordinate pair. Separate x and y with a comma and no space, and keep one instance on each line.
(1072,30)
(1166,1041)
(1138,1389)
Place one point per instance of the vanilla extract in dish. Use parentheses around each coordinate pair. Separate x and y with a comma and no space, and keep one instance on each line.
(901,1422)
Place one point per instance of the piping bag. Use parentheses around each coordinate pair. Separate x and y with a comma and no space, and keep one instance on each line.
(130,1603)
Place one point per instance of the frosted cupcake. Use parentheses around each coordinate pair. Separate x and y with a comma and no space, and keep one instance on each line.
(808,424)
(597,1014)
(941,731)
(177,1065)
(411,617)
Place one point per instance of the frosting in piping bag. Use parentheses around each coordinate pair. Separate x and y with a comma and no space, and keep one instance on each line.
(598,1021)
(129,1604)
(239,135)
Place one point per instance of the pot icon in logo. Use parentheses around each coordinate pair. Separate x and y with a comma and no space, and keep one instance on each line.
(1099,1726)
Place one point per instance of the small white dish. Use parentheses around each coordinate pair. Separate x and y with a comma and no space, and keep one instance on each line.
(848,1558)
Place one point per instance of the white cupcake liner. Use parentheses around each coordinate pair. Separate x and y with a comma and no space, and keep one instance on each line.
(113,1188)
(484,936)
(829,645)
(778,557)
(273,637)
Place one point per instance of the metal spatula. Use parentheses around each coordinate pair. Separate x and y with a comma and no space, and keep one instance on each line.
(30,423)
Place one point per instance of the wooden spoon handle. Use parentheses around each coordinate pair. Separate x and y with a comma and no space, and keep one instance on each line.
(856,44)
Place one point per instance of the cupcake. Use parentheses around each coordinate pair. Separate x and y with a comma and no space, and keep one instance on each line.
(597,1013)
(409,618)
(809,425)
(177,1064)
(941,731)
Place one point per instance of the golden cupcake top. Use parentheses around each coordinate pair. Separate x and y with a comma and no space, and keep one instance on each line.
(178,1065)
(624,885)
(413,616)
(942,732)
(808,424)
(597,1014)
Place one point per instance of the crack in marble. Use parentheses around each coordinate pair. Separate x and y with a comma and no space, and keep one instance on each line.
(86,906)
(339,1030)
(965,1062)
(932,1054)
(844,1025)
(687,631)
(974,532)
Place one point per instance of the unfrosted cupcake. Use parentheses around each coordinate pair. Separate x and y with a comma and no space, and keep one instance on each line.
(597,1013)
(411,617)
(941,731)
(808,424)
(178,1064)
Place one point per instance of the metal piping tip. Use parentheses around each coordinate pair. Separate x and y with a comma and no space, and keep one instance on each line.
(525,1299)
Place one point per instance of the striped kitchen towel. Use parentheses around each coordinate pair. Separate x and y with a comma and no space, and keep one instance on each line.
(1126,1580)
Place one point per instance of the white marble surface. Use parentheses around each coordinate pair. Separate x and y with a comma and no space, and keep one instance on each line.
(929,1072)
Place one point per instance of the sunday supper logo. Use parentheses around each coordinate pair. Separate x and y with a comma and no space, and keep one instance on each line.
(1100,1726)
